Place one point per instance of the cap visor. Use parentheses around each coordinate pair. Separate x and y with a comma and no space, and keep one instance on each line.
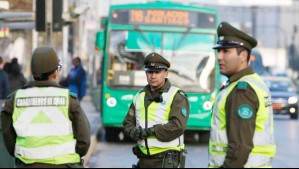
(222,46)
(154,69)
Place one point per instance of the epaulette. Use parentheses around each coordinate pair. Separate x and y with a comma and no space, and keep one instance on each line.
(74,95)
(242,85)
(182,93)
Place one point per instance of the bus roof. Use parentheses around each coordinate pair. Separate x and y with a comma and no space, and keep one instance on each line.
(166,5)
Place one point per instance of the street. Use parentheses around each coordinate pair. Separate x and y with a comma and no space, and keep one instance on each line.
(183,50)
(287,140)
(119,155)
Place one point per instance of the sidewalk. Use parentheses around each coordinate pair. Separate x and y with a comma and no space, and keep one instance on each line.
(94,118)
(92,114)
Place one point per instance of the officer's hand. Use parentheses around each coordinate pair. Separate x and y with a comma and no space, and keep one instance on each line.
(147,132)
(135,133)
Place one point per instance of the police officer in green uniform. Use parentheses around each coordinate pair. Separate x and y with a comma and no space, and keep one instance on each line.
(242,122)
(157,118)
(44,124)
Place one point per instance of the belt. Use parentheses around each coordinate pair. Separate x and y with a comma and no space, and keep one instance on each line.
(159,155)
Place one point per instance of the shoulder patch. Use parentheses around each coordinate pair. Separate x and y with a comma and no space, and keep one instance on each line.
(242,85)
(245,112)
(74,95)
(184,111)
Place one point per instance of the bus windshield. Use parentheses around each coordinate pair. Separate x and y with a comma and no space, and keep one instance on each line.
(191,57)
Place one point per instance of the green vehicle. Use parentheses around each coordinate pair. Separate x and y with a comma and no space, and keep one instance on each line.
(184,35)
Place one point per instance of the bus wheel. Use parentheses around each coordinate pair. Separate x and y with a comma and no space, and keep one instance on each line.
(112,134)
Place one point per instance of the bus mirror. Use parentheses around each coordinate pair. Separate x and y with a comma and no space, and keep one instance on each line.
(100,41)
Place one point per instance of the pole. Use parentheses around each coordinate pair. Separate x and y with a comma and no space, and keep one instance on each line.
(49,21)
(65,45)
(254,20)
(34,42)
(34,32)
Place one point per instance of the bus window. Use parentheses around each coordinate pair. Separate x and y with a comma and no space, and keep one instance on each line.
(192,64)
(125,67)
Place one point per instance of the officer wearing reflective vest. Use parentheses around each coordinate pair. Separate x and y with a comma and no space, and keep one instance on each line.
(43,123)
(242,122)
(157,118)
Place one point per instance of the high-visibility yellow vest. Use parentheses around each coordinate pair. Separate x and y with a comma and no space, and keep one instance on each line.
(44,130)
(264,149)
(157,113)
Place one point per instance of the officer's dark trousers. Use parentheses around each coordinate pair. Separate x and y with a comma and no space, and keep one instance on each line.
(150,162)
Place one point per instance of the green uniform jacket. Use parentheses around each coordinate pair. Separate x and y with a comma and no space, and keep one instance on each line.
(240,131)
(177,120)
(80,123)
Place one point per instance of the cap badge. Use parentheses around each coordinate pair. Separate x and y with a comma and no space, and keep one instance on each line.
(221,38)
(152,64)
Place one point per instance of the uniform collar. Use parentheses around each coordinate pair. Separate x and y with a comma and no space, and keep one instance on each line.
(164,88)
(42,84)
(239,75)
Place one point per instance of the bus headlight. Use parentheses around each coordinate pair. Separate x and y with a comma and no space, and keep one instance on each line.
(293,110)
(293,100)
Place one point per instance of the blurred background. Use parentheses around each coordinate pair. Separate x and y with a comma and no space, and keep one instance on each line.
(72,27)
(273,22)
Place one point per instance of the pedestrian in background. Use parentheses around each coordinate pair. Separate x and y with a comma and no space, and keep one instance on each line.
(15,75)
(76,79)
(4,83)
(43,124)
(242,133)
(157,119)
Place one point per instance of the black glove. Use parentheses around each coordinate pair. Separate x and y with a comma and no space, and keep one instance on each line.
(135,133)
(147,132)
(141,133)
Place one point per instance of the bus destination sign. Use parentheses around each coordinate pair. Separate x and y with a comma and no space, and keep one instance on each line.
(160,17)
(163,17)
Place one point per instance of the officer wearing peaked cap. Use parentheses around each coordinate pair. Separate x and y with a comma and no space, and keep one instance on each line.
(154,61)
(45,111)
(230,37)
(157,118)
(242,122)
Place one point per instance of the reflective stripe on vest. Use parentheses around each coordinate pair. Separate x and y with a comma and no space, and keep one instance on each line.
(47,152)
(44,130)
(264,145)
(158,113)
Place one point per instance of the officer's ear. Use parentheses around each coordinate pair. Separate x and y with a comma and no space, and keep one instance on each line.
(166,73)
(244,56)
(54,76)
